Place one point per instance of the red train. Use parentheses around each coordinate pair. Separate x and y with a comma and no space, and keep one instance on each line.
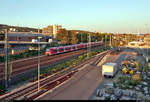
(62,49)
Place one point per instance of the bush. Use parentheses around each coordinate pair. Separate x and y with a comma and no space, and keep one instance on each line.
(134,82)
(114,84)
(2,89)
(107,98)
(120,85)
(123,79)
(1,59)
(145,68)
(80,58)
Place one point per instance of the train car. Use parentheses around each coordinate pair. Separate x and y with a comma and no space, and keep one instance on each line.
(80,46)
(73,47)
(93,44)
(85,45)
(60,49)
(51,51)
(67,48)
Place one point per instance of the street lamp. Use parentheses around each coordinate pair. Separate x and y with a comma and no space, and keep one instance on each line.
(39,63)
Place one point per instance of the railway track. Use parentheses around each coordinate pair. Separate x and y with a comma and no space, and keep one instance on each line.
(48,83)
(23,66)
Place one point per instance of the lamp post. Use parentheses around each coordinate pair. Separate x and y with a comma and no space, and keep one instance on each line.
(39,63)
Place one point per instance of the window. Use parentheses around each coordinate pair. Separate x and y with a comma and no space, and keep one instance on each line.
(132,44)
(61,49)
(47,50)
(68,48)
(73,47)
(54,50)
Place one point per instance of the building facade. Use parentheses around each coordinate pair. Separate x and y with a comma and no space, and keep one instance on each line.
(51,30)
(147,38)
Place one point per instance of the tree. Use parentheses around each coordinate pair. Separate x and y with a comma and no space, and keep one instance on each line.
(69,37)
(72,37)
(62,36)
(78,36)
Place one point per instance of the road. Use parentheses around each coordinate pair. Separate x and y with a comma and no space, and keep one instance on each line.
(80,86)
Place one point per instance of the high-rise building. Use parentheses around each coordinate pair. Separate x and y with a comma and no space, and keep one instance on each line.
(55,30)
(51,30)
(48,30)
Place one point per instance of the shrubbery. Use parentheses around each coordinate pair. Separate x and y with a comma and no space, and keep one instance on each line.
(133,82)
(2,89)
(26,54)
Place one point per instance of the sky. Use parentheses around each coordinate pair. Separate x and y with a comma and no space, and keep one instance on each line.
(91,15)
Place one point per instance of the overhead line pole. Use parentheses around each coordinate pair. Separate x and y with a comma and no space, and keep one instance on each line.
(6,59)
(39,61)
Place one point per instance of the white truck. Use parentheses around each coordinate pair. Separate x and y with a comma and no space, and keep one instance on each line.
(109,69)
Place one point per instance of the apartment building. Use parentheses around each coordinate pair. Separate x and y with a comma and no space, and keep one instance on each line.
(51,30)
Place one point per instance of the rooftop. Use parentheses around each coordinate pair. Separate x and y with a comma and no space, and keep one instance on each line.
(110,64)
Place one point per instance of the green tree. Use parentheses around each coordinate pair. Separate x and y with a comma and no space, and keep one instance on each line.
(62,36)
(73,37)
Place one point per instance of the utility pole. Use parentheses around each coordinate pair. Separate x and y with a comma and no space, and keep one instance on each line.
(89,43)
(105,38)
(39,62)
(81,38)
(110,39)
(6,58)
(146,44)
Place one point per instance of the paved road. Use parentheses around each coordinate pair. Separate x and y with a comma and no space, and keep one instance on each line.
(80,87)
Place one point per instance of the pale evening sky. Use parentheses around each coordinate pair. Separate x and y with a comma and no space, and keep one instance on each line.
(90,15)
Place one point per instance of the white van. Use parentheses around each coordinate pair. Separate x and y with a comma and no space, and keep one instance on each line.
(109,69)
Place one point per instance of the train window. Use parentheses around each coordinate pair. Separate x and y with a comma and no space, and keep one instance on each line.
(73,47)
(54,50)
(47,50)
(61,49)
(68,48)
